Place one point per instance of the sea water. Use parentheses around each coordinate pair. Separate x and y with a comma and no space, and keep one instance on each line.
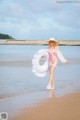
(16,77)
(19,78)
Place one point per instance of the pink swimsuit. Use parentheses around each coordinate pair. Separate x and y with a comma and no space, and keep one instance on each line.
(53,57)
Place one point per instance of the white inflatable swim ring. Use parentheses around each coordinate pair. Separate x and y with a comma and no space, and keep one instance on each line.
(40,62)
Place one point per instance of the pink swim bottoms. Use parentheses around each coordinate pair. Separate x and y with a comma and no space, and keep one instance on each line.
(53,60)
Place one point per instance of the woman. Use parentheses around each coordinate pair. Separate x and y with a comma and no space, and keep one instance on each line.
(54,53)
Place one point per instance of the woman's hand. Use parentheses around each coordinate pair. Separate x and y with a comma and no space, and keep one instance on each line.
(66,61)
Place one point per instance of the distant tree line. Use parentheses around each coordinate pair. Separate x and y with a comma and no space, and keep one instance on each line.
(5,36)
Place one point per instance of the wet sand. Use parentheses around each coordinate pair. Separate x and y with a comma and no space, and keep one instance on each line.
(66,107)
(24,96)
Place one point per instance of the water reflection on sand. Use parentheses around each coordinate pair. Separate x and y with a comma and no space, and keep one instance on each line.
(19,85)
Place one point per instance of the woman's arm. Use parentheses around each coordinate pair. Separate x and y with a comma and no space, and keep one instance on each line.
(60,56)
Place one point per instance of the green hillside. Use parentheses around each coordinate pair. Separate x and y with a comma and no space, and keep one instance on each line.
(5,36)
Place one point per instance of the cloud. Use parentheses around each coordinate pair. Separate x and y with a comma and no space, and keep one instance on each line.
(39,19)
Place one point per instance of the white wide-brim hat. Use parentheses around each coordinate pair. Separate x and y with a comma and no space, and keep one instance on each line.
(52,38)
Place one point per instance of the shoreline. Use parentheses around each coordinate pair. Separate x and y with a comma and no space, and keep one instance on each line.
(29,94)
(66,107)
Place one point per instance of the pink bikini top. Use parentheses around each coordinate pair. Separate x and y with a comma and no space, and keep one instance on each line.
(52,54)
(53,51)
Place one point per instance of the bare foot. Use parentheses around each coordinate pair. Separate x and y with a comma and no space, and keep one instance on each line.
(48,86)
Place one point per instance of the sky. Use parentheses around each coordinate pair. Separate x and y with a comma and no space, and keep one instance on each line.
(40,19)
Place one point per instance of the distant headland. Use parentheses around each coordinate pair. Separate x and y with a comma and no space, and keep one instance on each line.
(8,40)
(5,36)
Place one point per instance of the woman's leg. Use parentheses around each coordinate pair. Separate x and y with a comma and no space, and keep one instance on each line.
(52,68)
(52,77)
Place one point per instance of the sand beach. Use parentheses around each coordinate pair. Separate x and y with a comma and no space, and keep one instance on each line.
(61,108)
(24,96)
